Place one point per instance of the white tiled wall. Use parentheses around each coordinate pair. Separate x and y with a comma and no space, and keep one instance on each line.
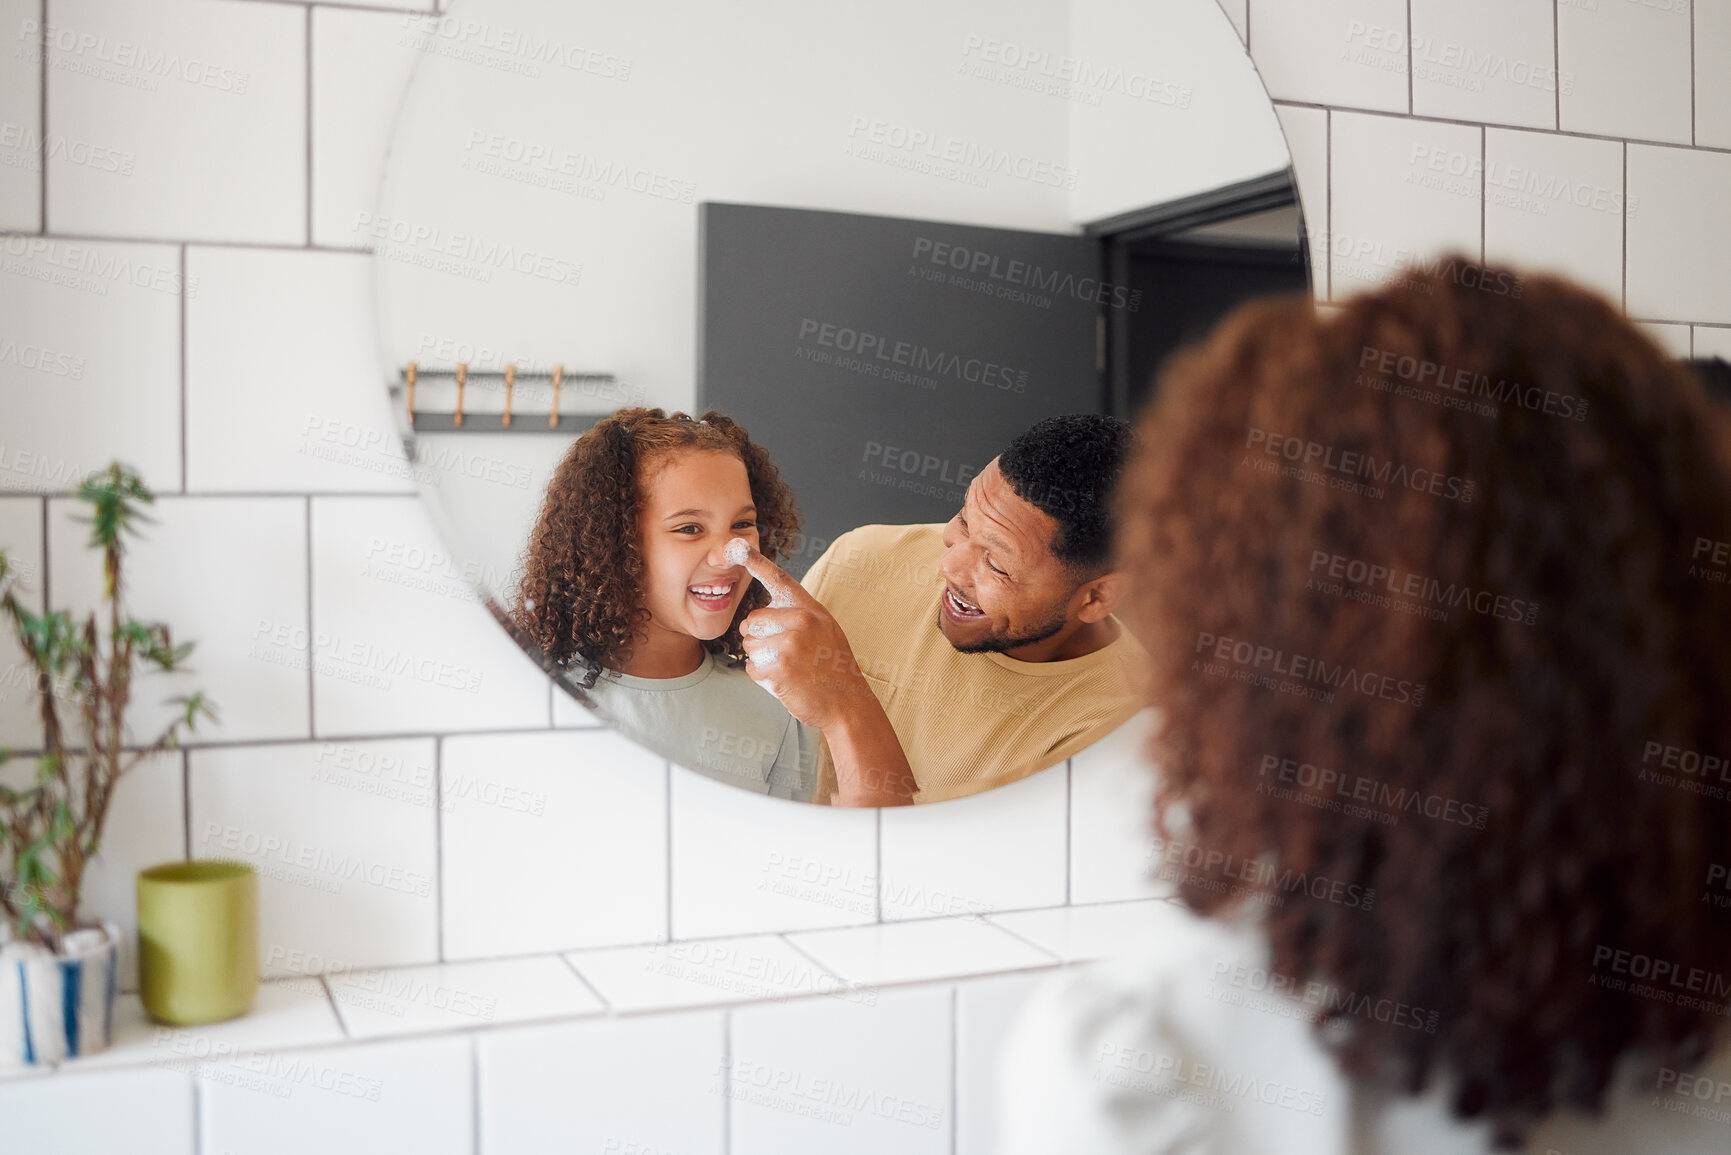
(409,787)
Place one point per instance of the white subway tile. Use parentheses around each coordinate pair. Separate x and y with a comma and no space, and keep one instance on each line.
(399,642)
(146,826)
(744,863)
(382,5)
(1554,204)
(1081,933)
(705,972)
(89,361)
(283,1014)
(927,949)
(1351,53)
(569,713)
(1679,234)
(1712,341)
(1112,846)
(896,1051)
(1629,61)
(139,1112)
(1403,190)
(1674,339)
(21,116)
(283,387)
(1712,77)
(1485,60)
(380,1003)
(228,575)
(342,837)
(21,538)
(584,816)
(985,1008)
(648,1084)
(1307,138)
(196,113)
(1238,11)
(1001,850)
(411,1096)
(361,62)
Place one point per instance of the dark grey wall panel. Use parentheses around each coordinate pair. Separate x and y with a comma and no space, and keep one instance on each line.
(884,361)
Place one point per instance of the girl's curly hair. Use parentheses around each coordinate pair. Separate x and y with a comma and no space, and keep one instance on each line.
(580,600)
(1491,839)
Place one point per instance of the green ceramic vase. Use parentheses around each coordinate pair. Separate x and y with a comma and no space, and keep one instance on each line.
(197,941)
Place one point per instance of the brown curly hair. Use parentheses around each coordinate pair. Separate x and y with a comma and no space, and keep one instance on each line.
(1501,826)
(580,600)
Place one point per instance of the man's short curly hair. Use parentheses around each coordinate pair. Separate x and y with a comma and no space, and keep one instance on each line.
(1068,467)
(1520,817)
(580,600)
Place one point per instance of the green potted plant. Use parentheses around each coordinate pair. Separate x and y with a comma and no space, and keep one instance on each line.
(57,972)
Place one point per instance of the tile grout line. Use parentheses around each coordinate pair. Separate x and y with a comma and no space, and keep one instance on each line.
(1557,64)
(813,959)
(1069,825)
(331,996)
(439,843)
(42,117)
(1694,13)
(402,11)
(475,1086)
(312,680)
(46,600)
(1625,300)
(1410,105)
(183,473)
(1388,115)
(1026,941)
(587,985)
(726,1081)
(1328,202)
(1484,159)
(307,112)
(186,802)
(266,246)
(395,736)
(667,797)
(878,890)
(955,1052)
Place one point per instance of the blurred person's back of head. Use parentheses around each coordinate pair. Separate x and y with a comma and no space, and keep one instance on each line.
(1434,589)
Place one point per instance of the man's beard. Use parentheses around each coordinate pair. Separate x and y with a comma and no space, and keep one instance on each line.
(1000,644)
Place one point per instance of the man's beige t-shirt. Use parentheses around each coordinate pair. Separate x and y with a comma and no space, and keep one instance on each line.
(967,722)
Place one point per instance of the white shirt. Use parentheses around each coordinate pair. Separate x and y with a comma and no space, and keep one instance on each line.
(714,720)
(1184,1047)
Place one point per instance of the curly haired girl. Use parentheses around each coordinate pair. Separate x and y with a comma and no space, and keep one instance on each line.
(628,593)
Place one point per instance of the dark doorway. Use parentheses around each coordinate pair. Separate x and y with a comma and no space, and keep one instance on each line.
(1187,265)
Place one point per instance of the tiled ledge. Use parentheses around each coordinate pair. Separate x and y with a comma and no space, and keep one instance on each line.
(322,1011)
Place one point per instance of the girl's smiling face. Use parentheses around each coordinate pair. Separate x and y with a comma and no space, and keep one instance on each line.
(692,503)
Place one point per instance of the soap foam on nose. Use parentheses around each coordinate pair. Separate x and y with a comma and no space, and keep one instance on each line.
(736,552)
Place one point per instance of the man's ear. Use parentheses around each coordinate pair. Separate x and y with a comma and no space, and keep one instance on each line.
(1100,596)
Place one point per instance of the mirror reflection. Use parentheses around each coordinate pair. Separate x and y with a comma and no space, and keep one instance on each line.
(772,385)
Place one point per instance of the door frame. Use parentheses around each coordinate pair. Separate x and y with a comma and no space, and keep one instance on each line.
(1156,227)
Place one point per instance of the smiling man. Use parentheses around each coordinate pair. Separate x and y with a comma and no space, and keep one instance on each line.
(990,639)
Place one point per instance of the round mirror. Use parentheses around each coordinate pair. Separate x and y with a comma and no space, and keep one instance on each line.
(920,260)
